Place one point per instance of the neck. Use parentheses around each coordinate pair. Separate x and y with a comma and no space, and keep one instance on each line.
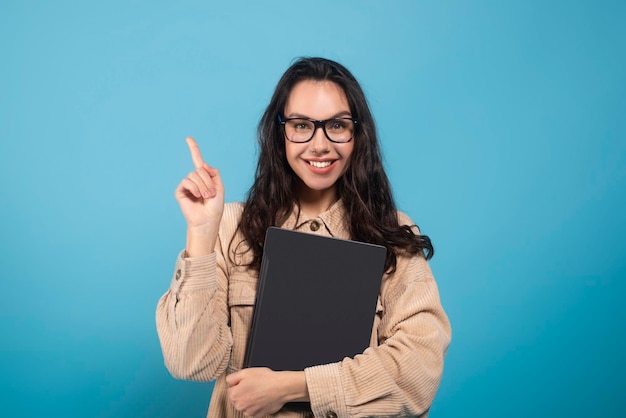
(314,202)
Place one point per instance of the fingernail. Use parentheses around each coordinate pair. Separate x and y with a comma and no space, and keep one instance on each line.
(213,192)
(206,194)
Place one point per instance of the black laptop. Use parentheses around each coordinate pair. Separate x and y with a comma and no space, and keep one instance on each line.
(316,300)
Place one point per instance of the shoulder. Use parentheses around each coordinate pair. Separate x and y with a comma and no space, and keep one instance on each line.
(233,210)
(230,219)
(404,219)
(230,237)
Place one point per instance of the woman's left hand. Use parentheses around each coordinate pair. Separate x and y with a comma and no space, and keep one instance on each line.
(260,391)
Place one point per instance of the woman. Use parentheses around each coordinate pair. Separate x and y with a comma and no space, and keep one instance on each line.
(319,171)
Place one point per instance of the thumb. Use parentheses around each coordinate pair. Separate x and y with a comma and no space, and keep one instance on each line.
(215,176)
(233,379)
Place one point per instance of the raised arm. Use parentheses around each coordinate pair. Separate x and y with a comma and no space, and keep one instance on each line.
(192,316)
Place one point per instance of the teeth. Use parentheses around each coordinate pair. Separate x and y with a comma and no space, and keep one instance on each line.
(320,164)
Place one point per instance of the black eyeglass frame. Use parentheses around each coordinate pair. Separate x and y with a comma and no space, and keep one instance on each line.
(317,124)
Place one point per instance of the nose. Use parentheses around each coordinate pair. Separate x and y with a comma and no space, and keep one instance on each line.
(319,143)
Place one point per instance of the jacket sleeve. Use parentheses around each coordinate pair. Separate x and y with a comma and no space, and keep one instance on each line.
(192,318)
(399,376)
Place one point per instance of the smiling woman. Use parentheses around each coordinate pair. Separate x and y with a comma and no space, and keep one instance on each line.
(330,182)
(503,131)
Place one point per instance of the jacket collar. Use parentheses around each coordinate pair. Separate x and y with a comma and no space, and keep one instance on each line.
(331,222)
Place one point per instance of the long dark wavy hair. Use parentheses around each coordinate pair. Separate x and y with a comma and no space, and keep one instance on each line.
(364,188)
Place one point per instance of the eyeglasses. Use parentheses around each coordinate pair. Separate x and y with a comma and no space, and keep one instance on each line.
(300,130)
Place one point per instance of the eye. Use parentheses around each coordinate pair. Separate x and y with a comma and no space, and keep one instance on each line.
(300,125)
(338,125)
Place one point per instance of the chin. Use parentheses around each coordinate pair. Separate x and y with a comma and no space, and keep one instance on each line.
(318,186)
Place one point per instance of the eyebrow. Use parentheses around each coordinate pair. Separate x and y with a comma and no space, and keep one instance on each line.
(345,113)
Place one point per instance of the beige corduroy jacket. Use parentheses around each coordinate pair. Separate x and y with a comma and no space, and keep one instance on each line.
(204,318)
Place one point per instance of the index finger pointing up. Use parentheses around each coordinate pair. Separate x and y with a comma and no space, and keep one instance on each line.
(196,156)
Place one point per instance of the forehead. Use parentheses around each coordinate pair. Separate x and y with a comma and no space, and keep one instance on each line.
(316,99)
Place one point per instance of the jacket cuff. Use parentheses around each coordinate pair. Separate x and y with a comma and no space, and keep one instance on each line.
(193,273)
(325,390)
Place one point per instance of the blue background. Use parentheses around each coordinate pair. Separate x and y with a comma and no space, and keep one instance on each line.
(503,126)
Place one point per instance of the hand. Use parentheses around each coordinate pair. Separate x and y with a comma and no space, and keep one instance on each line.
(201,199)
(260,391)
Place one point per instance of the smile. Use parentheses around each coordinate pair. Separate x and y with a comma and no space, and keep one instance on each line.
(320,164)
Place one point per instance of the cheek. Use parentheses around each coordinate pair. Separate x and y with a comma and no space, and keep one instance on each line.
(291,153)
(346,161)
(347,153)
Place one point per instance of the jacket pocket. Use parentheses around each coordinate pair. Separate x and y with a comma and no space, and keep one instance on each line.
(241,290)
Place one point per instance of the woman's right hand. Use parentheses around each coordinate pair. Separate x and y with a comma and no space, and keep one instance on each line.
(201,199)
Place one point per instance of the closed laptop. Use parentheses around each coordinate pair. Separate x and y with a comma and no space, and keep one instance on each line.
(316,300)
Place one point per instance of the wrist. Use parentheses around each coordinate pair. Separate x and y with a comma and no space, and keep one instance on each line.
(200,241)
(296,387)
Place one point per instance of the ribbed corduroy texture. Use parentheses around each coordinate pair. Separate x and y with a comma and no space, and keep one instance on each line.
(204,318)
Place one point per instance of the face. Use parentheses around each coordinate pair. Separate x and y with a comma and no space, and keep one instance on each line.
(319,163)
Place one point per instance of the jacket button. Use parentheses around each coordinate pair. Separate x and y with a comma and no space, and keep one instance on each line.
(178,273)
(314,226)
(331,414)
